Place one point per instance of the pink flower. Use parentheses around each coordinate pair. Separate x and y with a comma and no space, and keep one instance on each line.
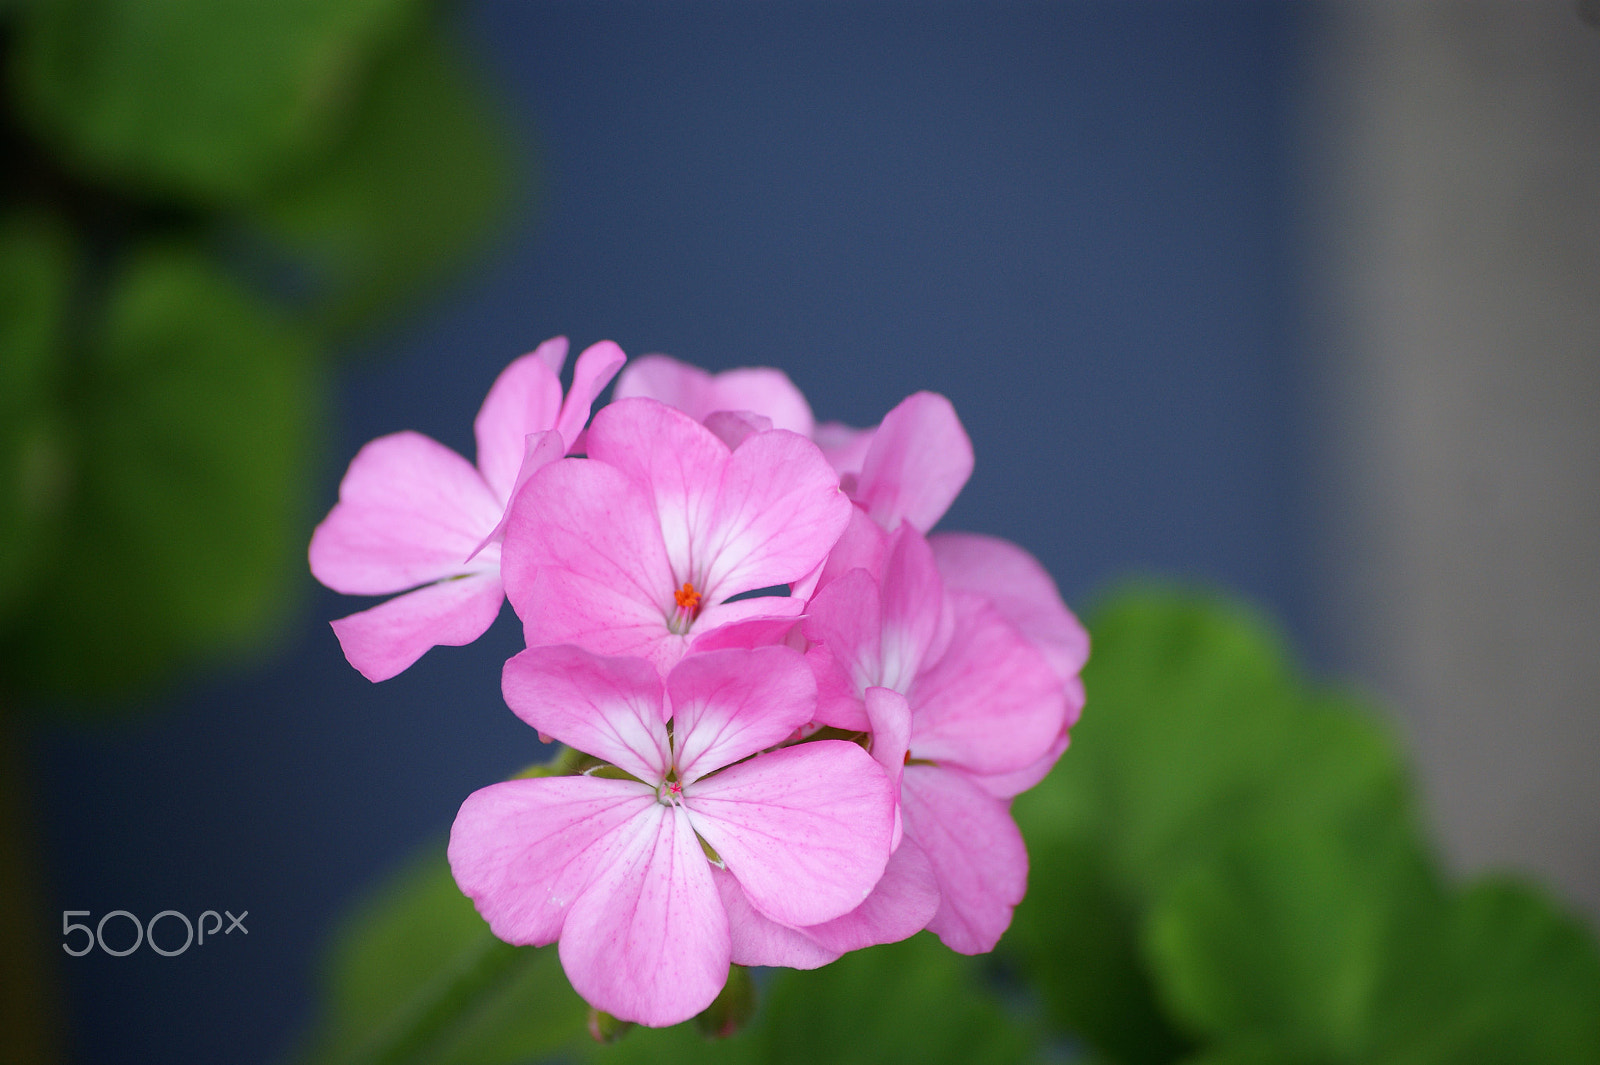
(412,514)
(636,549)
(624,872)
(757,390)
(973,704)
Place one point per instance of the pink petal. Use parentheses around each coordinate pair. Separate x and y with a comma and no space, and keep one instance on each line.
(839,701)
(525,398)
(913,608)
(384,641)
(901,905)
(539,450)
(1009,785)
(727,705)
(778,513)
(1021,589)
(410,511)
(992,703)
(890,717)
(751,633)
(594,370)
(977,854)
(759,940)
(732,426)
(697,393)
(523,850)
(553,353)
(845,448)
(864,544)
(607,707)
(648,940)
(584,563)
(917,463)
(805,829)
(846,620)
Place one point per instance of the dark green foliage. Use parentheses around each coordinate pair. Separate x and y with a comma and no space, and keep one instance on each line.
(200,198)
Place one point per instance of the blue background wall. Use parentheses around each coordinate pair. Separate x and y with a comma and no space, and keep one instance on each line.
(1073,221)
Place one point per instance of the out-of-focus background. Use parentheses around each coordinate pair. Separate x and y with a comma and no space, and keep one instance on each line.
(1301,302)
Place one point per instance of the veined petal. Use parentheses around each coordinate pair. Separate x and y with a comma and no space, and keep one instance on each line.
(590,534)
(844,447)
(890,718)
(992,703)
(901,904)
(410,511)
(805,829)
(846,618)
(525,398)
(384,641)
(648,940)
(594,370)
(976,851)
(539,450)
(913,607)
(759,940)
(524,850)
(777,513)
(607,707)
(917,463)
(727,705)
(1009,785)
(1020,589)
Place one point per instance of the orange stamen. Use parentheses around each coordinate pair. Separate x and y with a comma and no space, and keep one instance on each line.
(688,599)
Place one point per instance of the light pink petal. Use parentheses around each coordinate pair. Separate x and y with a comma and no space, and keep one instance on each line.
(524,850)
(524,399)
(697,393)
(764,391)
(992,704)
(778,512)
(844,447)
(678,462)
(553,353)
(732,426)
(846,621)
(805,829)
(384,641)
(1009,785)
(666,380)
(917,464)
(751,633)
(901,905)
(977,854)
(863,545)
(607,707)
(594,370)
(1021,589)
(913,606)
(775,609)
(648,940)
(759,940)
(890,717)
(539,450)
(584,563)
(410,511)
(727,705)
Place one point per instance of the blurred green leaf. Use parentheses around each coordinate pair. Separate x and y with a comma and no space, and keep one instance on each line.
(207,100)
(35,278)
(190,415)
(1517,982)
(417,181)
(418,959)
(910,1003)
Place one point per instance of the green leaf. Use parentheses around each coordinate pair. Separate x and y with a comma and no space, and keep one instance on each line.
(916,1003)
(415,976)
(415,184)
(35,276)
(1516,981)
(202,99)
(190,416)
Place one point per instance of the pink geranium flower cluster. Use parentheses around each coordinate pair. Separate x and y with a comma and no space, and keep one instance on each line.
(806,716)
